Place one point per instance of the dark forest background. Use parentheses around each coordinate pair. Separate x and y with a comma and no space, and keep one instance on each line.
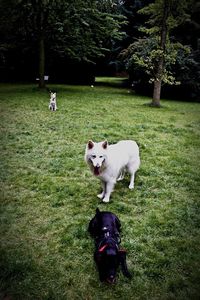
(72,42)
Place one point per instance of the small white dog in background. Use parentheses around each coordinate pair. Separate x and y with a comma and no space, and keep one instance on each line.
(52,103)
(109,163)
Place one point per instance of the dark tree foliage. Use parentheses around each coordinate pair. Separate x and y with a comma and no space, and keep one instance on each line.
(52,36)
(72,40)
(187,68)
(112,63)
(179,64)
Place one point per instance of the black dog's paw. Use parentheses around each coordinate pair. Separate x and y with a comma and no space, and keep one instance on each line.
(128,275)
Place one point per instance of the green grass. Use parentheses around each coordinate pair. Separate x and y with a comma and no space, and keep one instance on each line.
(48,195)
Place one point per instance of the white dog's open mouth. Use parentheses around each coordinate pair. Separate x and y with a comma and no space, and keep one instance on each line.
(96,171)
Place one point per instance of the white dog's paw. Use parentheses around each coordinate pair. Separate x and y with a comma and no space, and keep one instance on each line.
(131,186)
(106,199)
(100,196)
(121,176)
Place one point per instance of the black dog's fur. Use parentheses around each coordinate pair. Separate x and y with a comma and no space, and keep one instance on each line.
(105,228)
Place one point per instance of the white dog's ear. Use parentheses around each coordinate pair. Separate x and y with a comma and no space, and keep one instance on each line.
(105,145)
(90,144)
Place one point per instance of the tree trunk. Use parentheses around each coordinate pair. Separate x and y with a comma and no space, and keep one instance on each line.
(160,65)
(156,93)
(41,46)
(41,63)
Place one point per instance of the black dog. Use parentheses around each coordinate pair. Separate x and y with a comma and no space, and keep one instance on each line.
(105,229)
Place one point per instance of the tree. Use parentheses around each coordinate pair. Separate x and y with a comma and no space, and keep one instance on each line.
(76,30)
(128,9)
(155,52)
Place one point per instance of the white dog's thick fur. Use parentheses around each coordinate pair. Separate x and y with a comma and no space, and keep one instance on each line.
(109,162)
(52,102)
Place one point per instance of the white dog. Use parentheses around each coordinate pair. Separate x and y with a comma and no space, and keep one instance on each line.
(52,103)
(109,162)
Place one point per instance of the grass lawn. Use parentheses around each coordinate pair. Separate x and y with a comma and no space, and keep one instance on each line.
(48,194)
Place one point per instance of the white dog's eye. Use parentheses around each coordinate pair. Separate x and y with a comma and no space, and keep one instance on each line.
(101,156)
(93,156)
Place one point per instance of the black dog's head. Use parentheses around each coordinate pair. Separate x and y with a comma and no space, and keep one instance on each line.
(105,228)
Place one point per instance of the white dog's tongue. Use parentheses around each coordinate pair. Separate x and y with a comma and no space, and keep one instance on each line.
(96,171)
